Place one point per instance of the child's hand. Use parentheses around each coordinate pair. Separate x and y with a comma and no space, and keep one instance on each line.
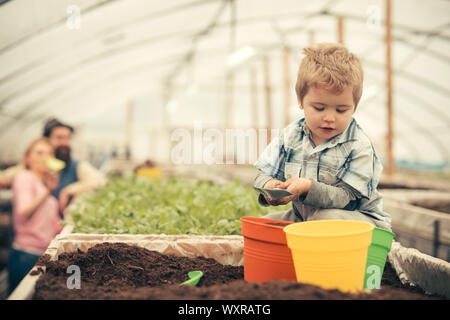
(51,180)
(273,184)
(297,186)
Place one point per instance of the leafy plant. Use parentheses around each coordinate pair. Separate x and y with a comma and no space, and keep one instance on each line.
(176,205)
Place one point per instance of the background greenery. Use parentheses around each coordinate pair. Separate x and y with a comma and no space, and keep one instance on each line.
(175,205)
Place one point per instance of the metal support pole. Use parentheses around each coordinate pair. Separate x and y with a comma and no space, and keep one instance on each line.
(129,129)
(311,37)
(268,92)
(390,129)
(436,227)
(287,86)
(254,101)
(341,30)
(229,99)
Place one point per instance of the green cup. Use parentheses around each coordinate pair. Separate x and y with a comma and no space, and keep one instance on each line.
(376,257)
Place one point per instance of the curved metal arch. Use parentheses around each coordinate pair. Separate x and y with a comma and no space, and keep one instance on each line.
(399,135)
(432,108)
(189,55)
(118,76)
(98,56)
(411,122)
(187,6)
(418,79)
(34,105)
(147,19)
(81,90)
(116,51)
(102,4)
(51,26)
(397,26)
(113,51)
(91,59)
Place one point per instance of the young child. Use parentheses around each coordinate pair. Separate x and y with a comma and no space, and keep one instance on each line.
(325,159)
(35,211)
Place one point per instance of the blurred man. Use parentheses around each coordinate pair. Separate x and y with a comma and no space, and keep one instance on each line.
(76,178)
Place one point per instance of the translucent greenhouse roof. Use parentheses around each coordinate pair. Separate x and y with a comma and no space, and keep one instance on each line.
(83,61)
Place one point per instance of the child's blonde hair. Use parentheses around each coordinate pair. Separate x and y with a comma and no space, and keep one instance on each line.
(331,66)
(31,146)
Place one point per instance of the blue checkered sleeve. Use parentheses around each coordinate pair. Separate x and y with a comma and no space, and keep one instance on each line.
(361,170)
(271,161)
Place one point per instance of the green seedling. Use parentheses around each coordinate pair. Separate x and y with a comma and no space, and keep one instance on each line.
(194,278)
(176,205)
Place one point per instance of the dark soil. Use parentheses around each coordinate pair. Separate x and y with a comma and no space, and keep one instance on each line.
(278,224)
(120,271)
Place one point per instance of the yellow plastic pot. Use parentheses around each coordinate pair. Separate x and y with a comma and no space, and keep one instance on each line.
(149,172)
(331,254)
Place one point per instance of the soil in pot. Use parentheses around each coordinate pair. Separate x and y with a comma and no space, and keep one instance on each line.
(280,224)
(120,271)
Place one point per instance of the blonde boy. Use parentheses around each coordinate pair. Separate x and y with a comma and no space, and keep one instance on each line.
(325,159)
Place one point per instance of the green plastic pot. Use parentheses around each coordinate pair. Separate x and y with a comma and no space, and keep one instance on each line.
(376,257)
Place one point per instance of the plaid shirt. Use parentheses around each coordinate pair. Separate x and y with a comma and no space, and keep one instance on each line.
(346,161)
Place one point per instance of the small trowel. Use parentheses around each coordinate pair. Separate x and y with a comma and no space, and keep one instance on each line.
(194,278)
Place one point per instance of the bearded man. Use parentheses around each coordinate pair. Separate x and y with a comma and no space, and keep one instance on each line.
(78,176)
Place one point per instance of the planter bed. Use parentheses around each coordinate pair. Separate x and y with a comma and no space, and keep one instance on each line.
(416,226)
(414,269)
(121,271)
(227,250)
(436,205)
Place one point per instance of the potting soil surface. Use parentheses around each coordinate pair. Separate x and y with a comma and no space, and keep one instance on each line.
(121,271)
(278,224)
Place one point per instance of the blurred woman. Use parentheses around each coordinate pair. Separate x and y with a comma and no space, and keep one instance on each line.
(35,211)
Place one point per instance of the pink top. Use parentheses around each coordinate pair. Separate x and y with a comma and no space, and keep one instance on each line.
(35,233)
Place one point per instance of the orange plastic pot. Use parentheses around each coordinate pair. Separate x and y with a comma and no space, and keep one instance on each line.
(266,254)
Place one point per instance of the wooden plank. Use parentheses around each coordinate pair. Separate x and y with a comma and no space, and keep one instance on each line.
(25,289)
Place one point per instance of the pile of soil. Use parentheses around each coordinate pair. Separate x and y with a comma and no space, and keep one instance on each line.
(279,224)
(120,271)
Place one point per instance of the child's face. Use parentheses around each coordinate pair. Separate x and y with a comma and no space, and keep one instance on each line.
(327,114)
(35,159)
